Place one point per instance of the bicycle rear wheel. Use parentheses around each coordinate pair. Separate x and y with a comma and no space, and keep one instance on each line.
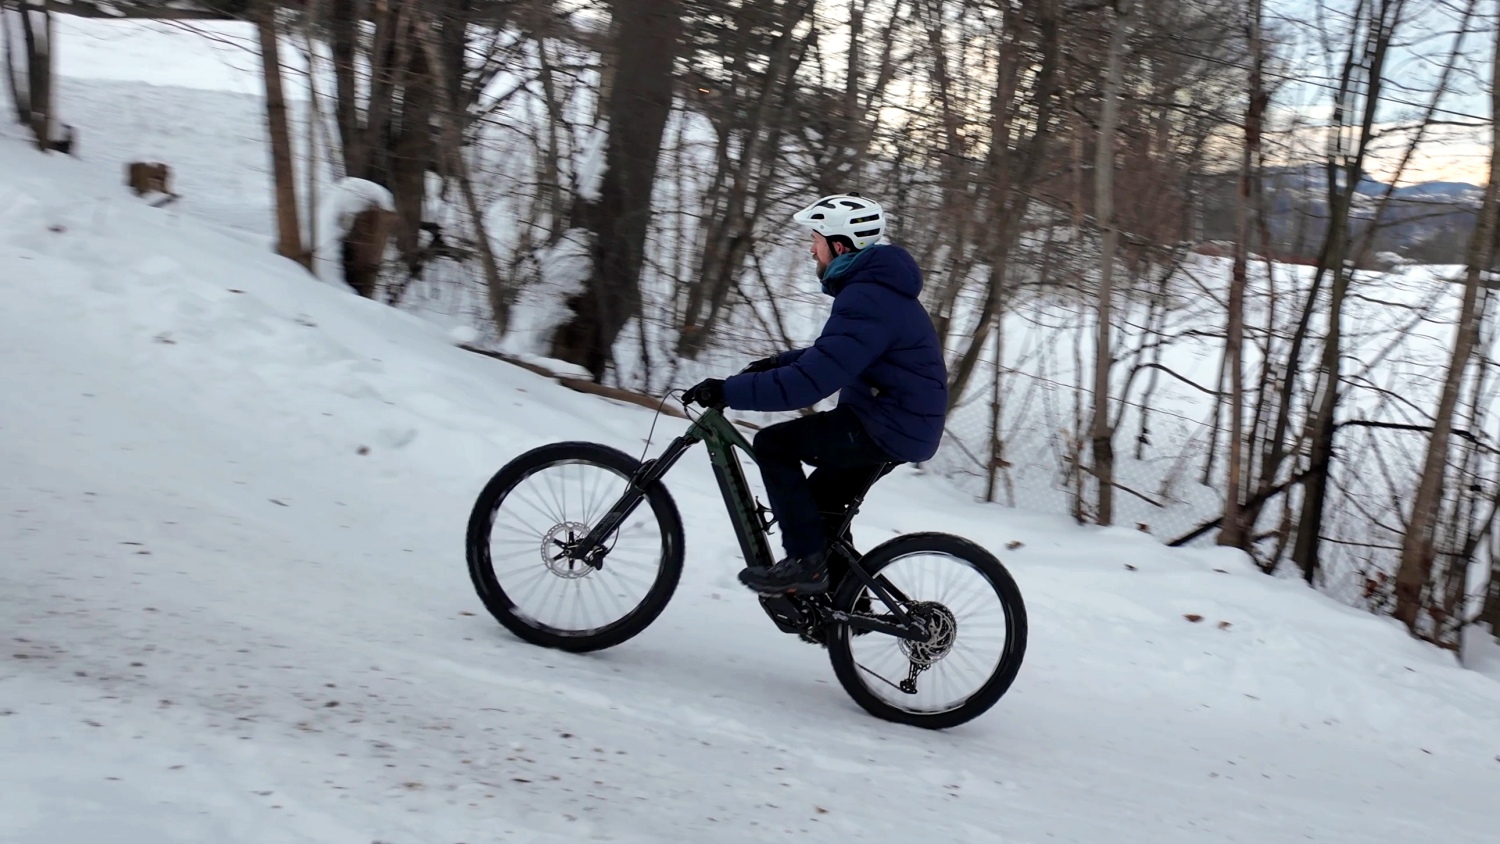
(976,621)
(533,509)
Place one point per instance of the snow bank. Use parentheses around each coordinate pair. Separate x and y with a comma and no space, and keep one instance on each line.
(346,199)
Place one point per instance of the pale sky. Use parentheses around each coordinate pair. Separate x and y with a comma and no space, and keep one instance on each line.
(1446,154)
(1412,71)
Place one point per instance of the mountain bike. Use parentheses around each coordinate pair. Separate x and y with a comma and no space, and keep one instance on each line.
(564,555)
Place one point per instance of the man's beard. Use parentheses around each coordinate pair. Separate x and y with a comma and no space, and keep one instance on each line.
(822,265)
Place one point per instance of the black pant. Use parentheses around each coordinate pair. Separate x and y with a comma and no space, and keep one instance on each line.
(809,510)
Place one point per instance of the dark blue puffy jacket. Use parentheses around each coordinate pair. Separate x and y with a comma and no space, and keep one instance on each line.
(878,350)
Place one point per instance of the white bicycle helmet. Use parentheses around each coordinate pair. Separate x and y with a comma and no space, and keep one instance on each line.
(847,214)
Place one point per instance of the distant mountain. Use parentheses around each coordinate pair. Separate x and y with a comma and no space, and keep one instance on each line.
(1313,178)
(1428,222)
(1441,190)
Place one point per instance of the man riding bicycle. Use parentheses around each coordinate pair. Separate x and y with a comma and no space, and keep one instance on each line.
(879,352)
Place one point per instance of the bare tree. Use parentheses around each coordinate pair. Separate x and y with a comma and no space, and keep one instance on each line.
(1413,578)
(748,103)
(1101,431)
(639,102)
(431,32)
(1025,98)
(1355,106)
(13,26)
(27,28)
(288,230)
(1489,612)
(1235,531)
(343,29)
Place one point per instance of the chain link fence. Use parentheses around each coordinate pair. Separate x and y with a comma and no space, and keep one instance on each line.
(1170,477)
(1040,457)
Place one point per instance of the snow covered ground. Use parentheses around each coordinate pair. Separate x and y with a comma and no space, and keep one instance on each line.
(235,609)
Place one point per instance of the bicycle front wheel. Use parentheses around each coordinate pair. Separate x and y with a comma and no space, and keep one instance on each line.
(976,624)
(529,514)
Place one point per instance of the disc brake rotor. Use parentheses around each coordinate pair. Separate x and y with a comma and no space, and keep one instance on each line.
(556,545)
(942,629)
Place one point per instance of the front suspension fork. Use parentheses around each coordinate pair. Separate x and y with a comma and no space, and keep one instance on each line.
(591,548)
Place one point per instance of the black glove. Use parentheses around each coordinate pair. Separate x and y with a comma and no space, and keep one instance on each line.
(764,364)
(708,393)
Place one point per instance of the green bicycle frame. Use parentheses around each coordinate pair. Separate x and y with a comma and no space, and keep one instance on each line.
(722,438)
(750,524)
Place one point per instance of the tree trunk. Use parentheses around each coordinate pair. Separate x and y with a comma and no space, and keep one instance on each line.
(957,204)
(454,16)
(639,104)
(1365,60)
(288,231)
(1101,432)
(316,143)
(729,226)
(452,155)
(370,156)
(1321,425)
(344,25)
(1011,175)
(363,250)
(28,33)
(1417,547)
(39,35)
(13,30)
(1489,613)
(1236,531)
(412,151)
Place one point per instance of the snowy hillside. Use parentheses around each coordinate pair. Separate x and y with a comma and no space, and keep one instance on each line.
(235,607)
(156,91)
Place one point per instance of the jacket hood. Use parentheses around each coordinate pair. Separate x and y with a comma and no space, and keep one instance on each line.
(884,264)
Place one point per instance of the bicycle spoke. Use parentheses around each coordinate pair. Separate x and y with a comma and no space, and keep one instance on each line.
(564,501)
(944,673)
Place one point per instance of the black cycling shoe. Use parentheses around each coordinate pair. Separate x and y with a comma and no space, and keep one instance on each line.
(802,575)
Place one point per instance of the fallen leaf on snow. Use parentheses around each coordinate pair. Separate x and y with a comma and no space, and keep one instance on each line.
(1193,617)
